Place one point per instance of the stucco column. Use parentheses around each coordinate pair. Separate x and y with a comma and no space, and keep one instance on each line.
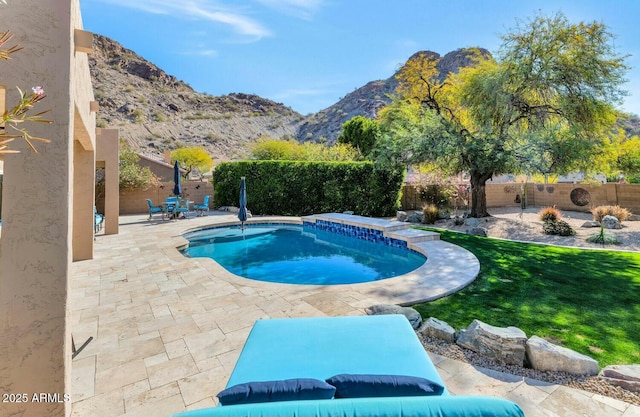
(35,246)
(107,148)
(83,201)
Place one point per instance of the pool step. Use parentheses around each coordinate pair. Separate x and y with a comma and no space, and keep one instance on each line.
(361,221)
(414,235)
(391,228)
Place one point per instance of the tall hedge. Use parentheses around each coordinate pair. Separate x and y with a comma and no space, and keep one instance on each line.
(298,188)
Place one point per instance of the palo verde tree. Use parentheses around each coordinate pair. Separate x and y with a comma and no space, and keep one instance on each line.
(193,158)
(548,95)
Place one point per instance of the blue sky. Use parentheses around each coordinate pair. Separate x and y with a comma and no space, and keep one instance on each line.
(308,54)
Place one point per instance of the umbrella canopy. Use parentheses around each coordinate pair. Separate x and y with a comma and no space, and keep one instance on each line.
(242,213)
(177,188)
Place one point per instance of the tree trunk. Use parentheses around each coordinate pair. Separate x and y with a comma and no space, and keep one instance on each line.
(479,194)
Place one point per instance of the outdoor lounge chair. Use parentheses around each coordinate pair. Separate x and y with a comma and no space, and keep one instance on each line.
(365,366)
(201,208)
(154,209)
(98,219)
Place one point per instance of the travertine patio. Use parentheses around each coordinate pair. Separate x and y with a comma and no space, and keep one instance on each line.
(167,329)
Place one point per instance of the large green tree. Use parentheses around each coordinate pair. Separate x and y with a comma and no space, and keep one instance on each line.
(360,132)
(546,102)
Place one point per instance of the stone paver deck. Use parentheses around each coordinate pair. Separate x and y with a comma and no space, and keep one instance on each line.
(168,329)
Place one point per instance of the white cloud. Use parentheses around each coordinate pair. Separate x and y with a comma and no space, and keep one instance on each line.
(201,52)
(304,9)
(207,10)
(309,92)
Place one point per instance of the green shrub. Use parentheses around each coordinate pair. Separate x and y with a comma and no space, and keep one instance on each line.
(558,227)
(549,214)
(431,213)
(298,188)
(603,238)
(618,212)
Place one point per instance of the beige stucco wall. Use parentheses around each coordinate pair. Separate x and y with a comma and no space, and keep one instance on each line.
(38,204)
(134,202)
(540,195)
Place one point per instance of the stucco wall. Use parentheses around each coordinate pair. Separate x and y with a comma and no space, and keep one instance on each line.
(541,195)
(38,204)
(134,202)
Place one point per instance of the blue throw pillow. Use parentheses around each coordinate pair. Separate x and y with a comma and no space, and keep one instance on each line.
(285,390)
(356,386)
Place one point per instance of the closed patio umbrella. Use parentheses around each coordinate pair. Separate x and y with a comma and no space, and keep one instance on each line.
(177,188)
(242,213)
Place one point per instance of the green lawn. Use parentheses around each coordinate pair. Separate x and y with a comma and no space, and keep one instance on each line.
(585,300)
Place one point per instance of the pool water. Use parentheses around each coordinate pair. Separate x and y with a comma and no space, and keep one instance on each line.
(294,254)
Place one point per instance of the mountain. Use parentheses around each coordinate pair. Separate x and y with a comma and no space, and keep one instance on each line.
(367,100)
(155,111)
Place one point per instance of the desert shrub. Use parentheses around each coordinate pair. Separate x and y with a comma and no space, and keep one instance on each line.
(603,238)
(431,213)
(159,117)
(138,116)
(616,211)
(557,227)
(436,188)
(549,214)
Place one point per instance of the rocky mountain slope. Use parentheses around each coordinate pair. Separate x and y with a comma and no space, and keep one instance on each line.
(154,111)
(367,100)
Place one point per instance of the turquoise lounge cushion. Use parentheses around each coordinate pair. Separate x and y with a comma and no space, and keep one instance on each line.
(285,390)
(367,385)
(320,347)
(440,406)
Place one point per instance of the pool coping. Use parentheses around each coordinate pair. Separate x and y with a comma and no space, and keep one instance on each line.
(448,268)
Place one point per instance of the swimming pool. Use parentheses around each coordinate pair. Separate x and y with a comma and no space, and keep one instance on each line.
(296,254)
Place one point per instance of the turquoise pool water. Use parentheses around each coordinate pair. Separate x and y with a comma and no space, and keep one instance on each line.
(294,254)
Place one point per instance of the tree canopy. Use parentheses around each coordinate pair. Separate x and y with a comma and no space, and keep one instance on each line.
(292,150)
(193,158)
(361,133)
(132,175)
(545,103)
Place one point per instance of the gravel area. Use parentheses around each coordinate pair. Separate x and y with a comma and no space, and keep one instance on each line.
(523,225)
(593,384)
(515,224)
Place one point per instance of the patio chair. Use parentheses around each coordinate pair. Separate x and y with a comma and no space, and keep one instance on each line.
(170,205)
(98,219)
(181,208)
(154,209)
(201,208)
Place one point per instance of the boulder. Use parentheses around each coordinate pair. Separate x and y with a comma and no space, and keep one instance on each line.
(438,329)
(415,217)
(410,313)
(590,224)
(545,356)
(401,216)
(610,222)
(624,376)
(501,344)
(634,218)
(472,221)
(478,231)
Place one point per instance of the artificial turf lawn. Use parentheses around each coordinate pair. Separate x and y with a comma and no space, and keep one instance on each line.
(585,300)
